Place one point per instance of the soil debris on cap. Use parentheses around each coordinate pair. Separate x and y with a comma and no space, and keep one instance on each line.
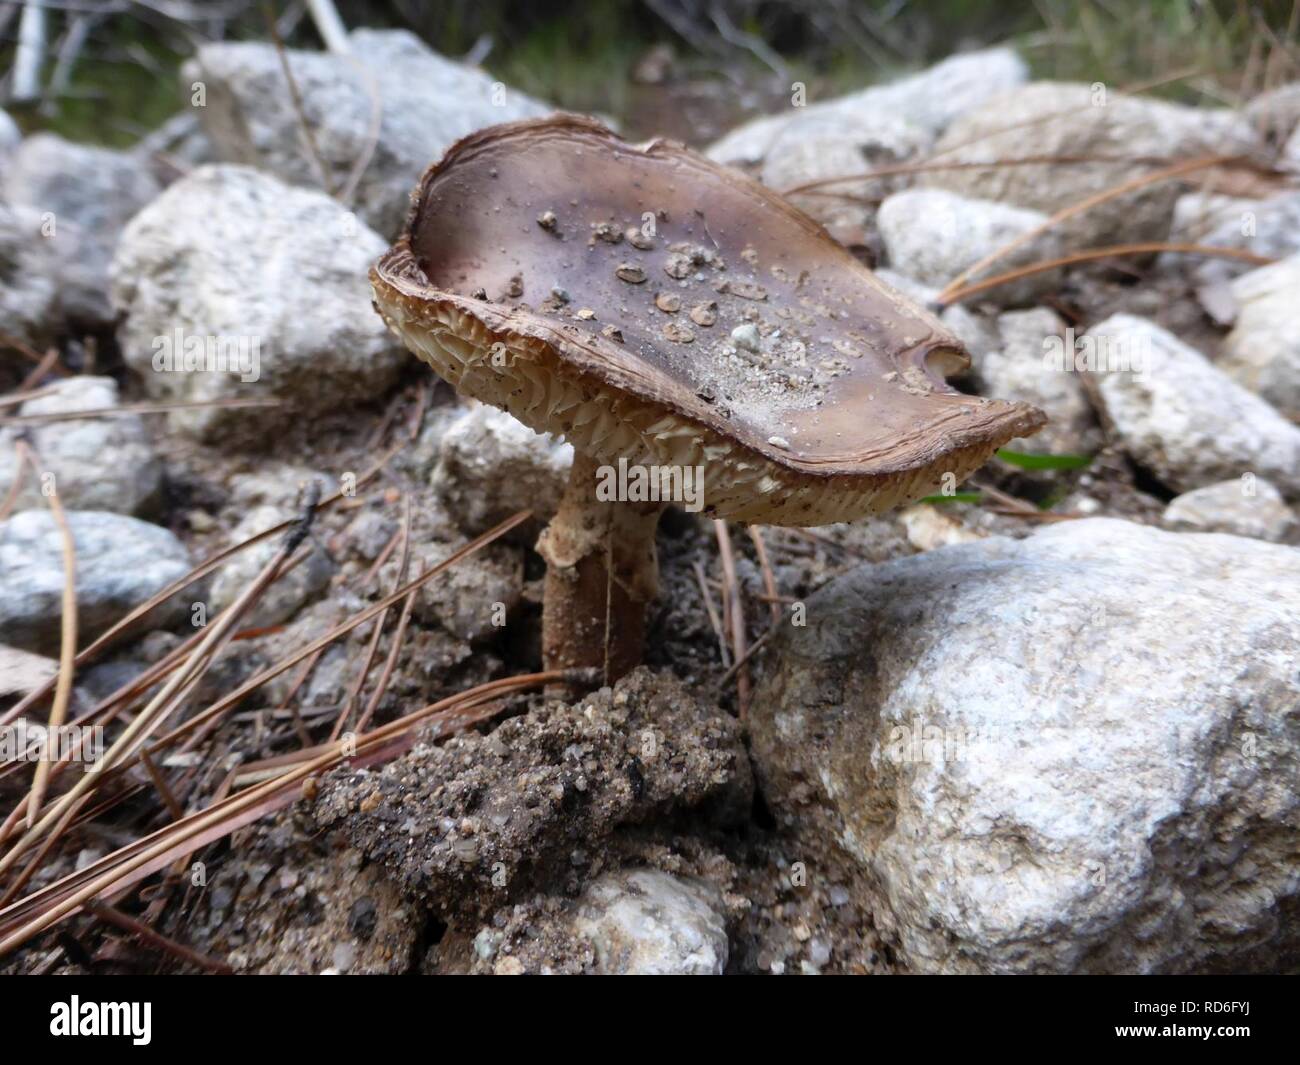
(705,314)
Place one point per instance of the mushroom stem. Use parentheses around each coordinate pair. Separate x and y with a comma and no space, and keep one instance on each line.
(601,574)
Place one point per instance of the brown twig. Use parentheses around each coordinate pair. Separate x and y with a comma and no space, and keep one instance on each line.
(1091,254)
(1082,206)
(295,97)
(35,914)
(181,583)
(118,919)
(736,614)
(67,648)
(707,596)
(134,408)
(769,578)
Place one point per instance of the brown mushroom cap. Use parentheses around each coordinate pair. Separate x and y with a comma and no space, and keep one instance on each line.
(591,288)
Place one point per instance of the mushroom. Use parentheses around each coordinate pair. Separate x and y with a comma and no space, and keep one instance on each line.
(803,391)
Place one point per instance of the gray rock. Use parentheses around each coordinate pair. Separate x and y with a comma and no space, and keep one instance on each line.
(1244,507)
(1068,753)
(932,236)
(30,304)
(833,144)
(644,922)
(1018,369)
(1275,113)
(89,194)
(271,280)
(929,101)
(289,593)
(1268,227)
(474,598)
(1263,349)
(121,562)
(1185,419)
(1197,214)
(97,463)
(1289,157)
(491,466)
(1067,119)
(391,101)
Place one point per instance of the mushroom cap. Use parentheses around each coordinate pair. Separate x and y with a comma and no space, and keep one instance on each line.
(648,304)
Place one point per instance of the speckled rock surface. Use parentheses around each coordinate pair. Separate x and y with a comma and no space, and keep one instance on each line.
(99,463)
(491,465)
(231,261)
(1071,753)
(290,592)
(1018,367)
(121,562)
(1068,119)
(1263,349)
(929,101)
(1186,420)
(30,303)
(89,194)
(392,102)
(643,922)
(933,235)
(1246,506)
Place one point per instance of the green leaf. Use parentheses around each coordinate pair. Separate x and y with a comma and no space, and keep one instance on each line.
(1044,462)
(957,497)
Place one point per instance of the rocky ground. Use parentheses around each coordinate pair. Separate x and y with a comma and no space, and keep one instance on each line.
(1053,729)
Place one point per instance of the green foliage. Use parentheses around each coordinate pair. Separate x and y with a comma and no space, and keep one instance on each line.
(956,497)
(1026,461)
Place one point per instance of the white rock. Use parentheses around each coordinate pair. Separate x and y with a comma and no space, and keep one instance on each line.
(929,101)
(1263,349)
(491,466)
(1069,753)
(474,598)
(1275,113)
(1185,419)
(1289,157)
(391,101)
(276,276)
(1019,369)
(932,236)
(644,922)
(1067,119)
(1270,228)
(1244,507)
(289,593)
(102,463)
(87,195)
(835,144)
(120,563)
(30,297)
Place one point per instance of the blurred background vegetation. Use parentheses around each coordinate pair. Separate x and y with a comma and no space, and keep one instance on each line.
(687,68)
